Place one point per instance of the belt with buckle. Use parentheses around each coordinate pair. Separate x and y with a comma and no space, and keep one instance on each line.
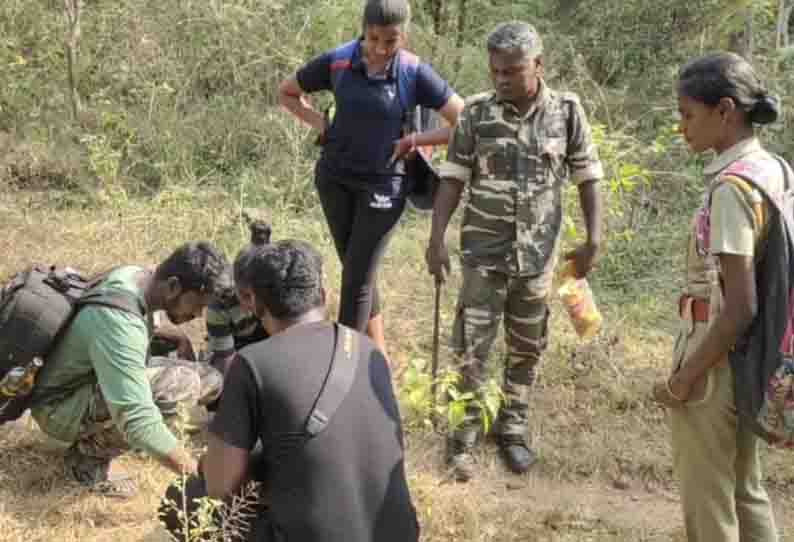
(694,307)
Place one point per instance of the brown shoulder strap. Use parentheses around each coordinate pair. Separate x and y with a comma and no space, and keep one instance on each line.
(741,174)
(753,200)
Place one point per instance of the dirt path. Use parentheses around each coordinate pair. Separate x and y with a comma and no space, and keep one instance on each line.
(37,504)
(499,506)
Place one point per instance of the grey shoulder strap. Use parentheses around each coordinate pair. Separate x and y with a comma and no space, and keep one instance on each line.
(338,381)
(787,181)
(125,302)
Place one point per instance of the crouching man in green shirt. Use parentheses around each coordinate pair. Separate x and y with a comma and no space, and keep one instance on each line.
(97,391)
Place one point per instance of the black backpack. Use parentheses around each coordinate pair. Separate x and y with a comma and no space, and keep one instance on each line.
(36,306)
(763,359)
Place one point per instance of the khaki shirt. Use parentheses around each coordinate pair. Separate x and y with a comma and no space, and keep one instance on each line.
(514,167)
(729,226)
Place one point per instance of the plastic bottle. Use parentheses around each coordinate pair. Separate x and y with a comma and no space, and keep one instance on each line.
(577,297)
(19,381)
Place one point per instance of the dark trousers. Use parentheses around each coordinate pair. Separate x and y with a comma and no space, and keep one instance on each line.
(361,224)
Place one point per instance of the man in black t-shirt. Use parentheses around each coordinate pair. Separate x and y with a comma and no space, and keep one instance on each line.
(347,484)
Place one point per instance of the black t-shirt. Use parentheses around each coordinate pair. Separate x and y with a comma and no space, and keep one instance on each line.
(348,483)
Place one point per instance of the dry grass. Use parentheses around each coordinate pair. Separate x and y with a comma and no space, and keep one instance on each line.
(605,470)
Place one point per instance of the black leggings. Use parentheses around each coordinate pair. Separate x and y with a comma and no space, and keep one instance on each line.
(361,224)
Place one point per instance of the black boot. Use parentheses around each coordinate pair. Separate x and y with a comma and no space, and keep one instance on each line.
(460,460)
(517,455)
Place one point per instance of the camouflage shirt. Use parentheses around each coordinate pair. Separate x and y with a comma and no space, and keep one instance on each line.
(515,167)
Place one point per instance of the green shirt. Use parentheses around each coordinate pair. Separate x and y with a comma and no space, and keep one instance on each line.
(103,346)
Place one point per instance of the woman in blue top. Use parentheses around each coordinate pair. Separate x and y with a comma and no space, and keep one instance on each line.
(360,176)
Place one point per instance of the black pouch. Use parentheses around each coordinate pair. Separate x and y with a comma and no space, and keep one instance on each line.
(425,181)
(419,168)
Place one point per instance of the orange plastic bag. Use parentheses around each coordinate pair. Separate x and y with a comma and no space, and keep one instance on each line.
(577,297)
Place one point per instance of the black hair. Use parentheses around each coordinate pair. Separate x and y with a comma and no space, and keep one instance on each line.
(260,236)
(199,266)
(260,232)
(286,278)
(386,13)
(710,78)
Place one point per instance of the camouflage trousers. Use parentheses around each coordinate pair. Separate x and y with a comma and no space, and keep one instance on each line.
(177,385)
(485,296)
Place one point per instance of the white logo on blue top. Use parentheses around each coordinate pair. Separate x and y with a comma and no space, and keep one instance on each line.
(380,201)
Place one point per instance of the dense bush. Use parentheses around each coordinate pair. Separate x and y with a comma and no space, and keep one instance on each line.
(183,94)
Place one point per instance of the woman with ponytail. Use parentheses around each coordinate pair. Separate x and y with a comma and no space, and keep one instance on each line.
(361,174)
(716,458)
(229,326)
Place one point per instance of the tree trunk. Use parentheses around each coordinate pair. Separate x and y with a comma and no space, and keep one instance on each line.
(785,8)
(72,9)
(567,7)
(749,34)
(460,38)
(787,33)
(437,14)
(741,41)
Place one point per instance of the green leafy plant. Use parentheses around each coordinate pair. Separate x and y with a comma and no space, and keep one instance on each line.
(215,520)
(416,397)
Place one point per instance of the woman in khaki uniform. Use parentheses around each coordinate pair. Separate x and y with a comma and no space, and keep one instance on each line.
(717,460)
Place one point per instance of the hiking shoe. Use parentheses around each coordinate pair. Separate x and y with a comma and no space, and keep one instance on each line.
(460,460)
(517,455)
(94,474)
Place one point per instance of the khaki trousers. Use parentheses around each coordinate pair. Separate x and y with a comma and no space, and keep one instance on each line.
(716,461)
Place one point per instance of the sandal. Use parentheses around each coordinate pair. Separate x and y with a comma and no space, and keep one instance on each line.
(94,474)
(117,486)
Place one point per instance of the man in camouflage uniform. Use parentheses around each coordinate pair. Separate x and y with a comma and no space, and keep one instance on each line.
(513,149)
